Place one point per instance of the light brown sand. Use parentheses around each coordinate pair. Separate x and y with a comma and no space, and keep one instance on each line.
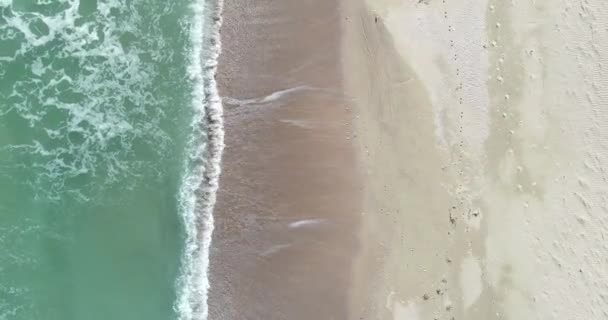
(406,230)
(482,131)
(289,201)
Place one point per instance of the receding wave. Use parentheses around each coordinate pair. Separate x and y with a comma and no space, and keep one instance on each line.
(202,163)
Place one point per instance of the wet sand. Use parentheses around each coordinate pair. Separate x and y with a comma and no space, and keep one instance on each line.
(287,216)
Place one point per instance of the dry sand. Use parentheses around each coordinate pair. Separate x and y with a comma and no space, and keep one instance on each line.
(482,130)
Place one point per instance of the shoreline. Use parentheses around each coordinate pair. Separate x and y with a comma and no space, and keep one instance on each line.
(197,194)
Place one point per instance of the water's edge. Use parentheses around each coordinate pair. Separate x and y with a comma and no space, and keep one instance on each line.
(197,194)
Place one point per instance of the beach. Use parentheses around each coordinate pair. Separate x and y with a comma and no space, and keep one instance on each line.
(412,160)
(481,134)
(303,159)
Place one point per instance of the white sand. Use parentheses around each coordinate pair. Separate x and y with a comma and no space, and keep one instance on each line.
(483,128)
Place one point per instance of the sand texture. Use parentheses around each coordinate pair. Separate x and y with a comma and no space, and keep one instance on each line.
(482,133)
(413,160)
(288,206)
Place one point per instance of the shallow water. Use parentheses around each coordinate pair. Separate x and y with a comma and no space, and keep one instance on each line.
(98,103)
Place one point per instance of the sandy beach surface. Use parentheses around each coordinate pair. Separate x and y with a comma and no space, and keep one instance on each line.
(482,132)
(287,212)
(407,160)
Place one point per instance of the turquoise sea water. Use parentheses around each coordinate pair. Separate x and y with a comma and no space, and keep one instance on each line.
(107,167)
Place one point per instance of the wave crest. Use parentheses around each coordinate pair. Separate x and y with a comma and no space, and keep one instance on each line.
(202,165)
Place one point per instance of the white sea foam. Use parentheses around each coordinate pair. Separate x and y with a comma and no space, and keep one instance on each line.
(274,249)
(304,124)
(202,168)
(80,118)
(267,99)
(304,223)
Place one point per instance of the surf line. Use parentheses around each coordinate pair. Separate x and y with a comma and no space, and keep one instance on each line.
(202,164)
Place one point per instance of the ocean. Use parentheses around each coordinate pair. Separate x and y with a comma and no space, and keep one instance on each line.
(110,140)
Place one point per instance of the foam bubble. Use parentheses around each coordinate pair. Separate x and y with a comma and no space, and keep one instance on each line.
(305,222)
(80,82)
(202,168)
